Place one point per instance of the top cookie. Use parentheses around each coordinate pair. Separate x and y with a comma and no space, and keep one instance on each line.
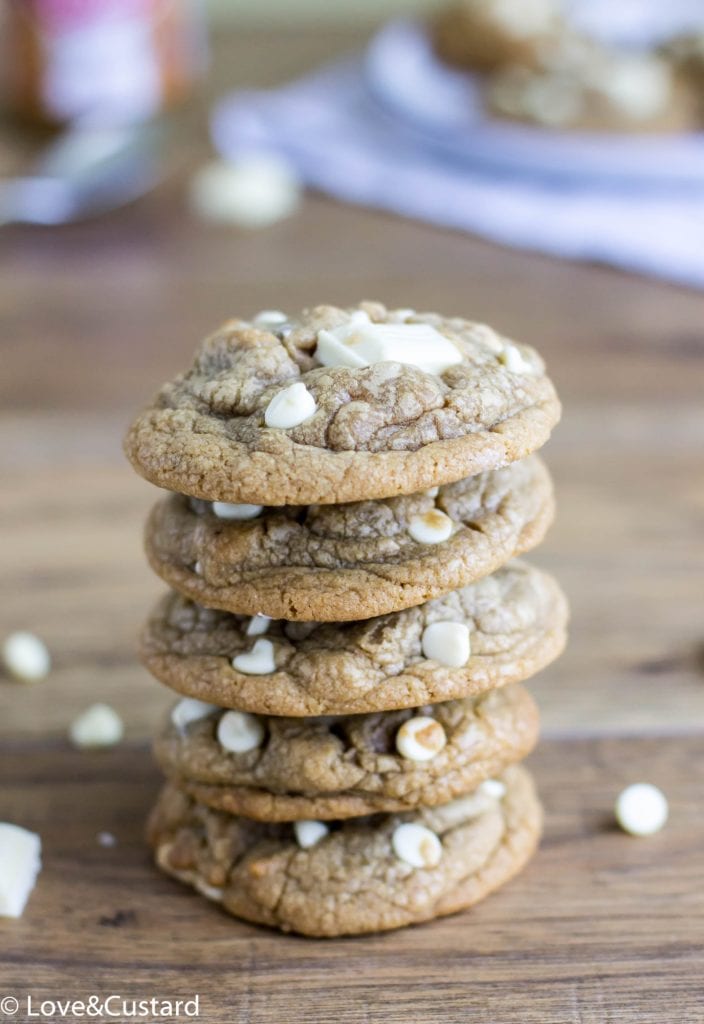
(343,405)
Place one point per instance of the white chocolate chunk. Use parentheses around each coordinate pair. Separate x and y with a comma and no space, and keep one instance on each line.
(362,343)
(106,840)
(493,788)
(309,833)
(25,657)
(420,738)
(238,732)
(432,492)
(252,191)
(20,863)
(258,625)
(416,845)
(641,809)
(430,528)
(290,407)
(447,643)
(270,318)
(257,662)
(226,510)
(198,568)
(190,710)
(97,726)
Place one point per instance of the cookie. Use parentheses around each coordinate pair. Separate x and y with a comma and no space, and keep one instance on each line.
(330,563)
(343,405)
(582,86)
(288,769)
(360,875)
(515,623)
(482,35)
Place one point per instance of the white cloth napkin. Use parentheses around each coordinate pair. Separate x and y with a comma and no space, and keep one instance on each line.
(343,141)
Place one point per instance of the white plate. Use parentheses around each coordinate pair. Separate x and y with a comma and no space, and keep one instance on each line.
(444,108)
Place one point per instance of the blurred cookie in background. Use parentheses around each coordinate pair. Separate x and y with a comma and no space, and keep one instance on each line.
(580,85)
(482,35)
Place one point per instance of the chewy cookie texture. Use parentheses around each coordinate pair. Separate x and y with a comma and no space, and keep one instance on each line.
(364,875)
(290,412)
(348,628)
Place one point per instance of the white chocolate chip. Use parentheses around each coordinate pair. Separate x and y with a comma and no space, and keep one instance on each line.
(637,85)
(211,892)
(420,738)
(238,732)
(252,191)
(258,625)
(106,839)
(447,643)
(198,568)
(270,318)
(226,510)
(289,407)
(493,788)
(257,662)
(416,845)
(432,492)
(641,809)
(97,726)
(25,657)
(517,361)
(430,528)
(309,833)
(190,710)
(363,343)
(20,864)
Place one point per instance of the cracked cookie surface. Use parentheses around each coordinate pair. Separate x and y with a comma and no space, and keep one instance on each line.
(377,431)
(352,880)
(516,619)
(341,767)
(338,562)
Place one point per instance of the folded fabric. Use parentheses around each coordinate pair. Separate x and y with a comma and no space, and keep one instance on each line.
(343,141)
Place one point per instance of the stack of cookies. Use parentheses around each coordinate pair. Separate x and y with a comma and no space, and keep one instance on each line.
(345,625)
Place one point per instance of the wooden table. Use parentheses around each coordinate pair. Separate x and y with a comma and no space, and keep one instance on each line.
(601,927)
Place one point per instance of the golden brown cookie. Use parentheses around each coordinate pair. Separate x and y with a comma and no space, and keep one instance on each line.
(288,769)
(482,35)
(331,563)
(361,875)
(514,620)
(275,414)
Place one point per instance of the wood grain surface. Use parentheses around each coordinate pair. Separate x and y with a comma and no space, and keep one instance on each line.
(601,927)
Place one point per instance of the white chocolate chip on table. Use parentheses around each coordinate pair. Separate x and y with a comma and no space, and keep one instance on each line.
(447,643)
(290,407)
(432,527)
(257,662)
(20,864)
(309,833)
(226,510)
(420,738)
(239,732)
(25,657)
(416,845)
(98,726)
(189,710)
(252,191)
(641,809)
(360,342)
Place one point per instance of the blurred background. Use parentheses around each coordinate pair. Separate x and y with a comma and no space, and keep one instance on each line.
(167,165)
